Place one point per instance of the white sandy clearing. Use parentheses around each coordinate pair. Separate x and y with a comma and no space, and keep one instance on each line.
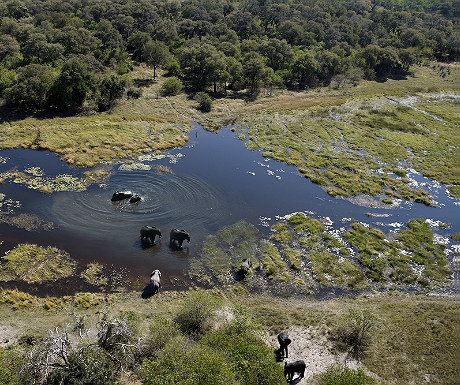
(313,347)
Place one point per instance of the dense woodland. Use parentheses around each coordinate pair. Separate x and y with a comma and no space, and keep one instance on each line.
(70,54)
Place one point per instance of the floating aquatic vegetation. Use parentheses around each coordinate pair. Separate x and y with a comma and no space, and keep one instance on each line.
(35,171)
(175,158)
(28,222)
(35,180)
(33,264)
(134,166)
(160,169)
(94,274)
(7,206)
(150,157)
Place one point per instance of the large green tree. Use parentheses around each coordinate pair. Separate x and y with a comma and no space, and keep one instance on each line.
(74,83)
(155,54)
(31,90)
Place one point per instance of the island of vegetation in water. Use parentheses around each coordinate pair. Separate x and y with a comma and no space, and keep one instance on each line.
(351,93)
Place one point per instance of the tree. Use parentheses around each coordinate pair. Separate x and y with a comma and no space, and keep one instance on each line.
(73,84)
(31,90)
(278,52)
(203,65)
(155,54)
(305,69)
(8,46)
(136,44)
(254,70)
(111,88)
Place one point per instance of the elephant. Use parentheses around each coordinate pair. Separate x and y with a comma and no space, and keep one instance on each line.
(294,367)
(148,233)
(179,236)
(135,198)
(121,195)
(245,266)
(155,281)
(284,341)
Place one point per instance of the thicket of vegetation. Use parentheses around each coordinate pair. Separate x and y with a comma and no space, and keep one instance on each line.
(72,54)
(223,337)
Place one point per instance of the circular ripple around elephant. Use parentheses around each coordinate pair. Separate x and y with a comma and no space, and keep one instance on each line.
(167,200)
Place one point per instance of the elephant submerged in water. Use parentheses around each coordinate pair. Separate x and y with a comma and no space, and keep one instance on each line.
(148,234)
(122,195)
(178,236)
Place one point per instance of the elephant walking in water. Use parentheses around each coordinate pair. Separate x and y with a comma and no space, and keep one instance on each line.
(148,233)
(178,236)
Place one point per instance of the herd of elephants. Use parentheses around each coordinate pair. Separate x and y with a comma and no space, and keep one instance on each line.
(176,238)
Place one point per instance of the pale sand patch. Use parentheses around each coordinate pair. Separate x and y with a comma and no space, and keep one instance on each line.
(8,336)
(312,346)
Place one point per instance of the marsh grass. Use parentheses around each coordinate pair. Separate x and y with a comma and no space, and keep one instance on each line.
(94,274)
(33,264)
(339,144)
(223,253)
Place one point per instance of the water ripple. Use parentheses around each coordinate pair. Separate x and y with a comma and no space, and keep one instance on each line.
(174,199)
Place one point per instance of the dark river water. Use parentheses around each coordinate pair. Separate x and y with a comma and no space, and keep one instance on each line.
(215,182)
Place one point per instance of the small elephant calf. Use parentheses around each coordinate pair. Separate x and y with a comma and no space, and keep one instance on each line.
(284,341)
(155,281)
(294,367)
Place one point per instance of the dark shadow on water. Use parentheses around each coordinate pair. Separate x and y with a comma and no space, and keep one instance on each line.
(175,247)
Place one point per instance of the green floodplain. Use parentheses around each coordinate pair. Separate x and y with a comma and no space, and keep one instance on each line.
(349,140)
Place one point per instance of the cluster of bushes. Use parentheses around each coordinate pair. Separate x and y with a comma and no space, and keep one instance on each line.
(187,349)
(192,347)
(66,53)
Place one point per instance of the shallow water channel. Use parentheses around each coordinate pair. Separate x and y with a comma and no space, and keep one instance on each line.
(215,181)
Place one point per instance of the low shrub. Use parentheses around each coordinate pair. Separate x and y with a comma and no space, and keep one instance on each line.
(172,86)
(195,316)
(180,364)
(354,335)
(204,101)
(90,365)
(339,374)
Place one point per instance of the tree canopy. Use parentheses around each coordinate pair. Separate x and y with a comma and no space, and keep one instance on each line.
(214,45)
